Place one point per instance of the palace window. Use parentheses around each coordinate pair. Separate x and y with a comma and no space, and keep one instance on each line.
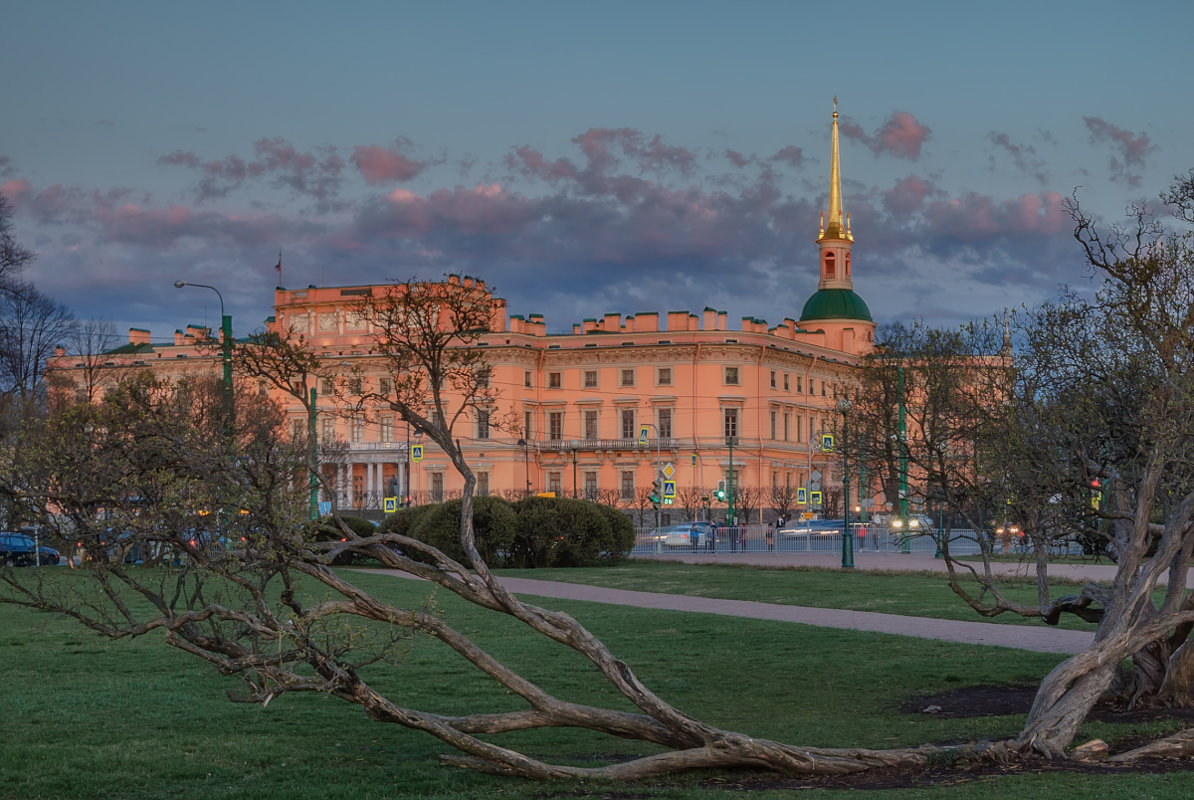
(663,376)
(555,425)
(730,422)
(482,424)
(626,490)
(628,431)
(590,424)
(590,381)
(731,376)
(663,420)
(627,377)
(554,380)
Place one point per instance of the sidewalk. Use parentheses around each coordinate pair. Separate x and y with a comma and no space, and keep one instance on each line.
(1040,638)
(1044,639)
(876,562)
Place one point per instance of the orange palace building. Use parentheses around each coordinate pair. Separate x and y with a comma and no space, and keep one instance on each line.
(581,398)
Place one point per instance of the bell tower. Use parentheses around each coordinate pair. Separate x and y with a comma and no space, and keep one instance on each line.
(835,239)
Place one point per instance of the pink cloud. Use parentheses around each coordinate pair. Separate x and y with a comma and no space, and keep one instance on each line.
(975,217)
(16,190)
(1132,148)
(385,164)
(907,196)
(529,161)
(901,135)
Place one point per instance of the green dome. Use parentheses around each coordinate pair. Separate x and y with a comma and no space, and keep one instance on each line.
(835,304)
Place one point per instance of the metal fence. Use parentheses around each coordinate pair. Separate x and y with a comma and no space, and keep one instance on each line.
(755,539)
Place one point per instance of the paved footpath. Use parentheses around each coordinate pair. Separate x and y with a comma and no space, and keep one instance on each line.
(1041,638)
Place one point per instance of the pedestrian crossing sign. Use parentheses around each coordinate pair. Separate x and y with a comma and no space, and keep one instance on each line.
(669,489)
(416,453)
(391,505)
(801,496)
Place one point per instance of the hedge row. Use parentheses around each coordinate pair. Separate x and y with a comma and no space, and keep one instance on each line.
(533,532)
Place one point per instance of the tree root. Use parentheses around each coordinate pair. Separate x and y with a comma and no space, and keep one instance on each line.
(1177,745)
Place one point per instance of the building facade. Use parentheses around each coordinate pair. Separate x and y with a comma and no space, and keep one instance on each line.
(742,406)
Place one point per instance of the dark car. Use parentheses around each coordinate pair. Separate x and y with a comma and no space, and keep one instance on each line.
(17,549)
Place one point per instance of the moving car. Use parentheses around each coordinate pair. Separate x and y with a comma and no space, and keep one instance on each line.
(687,534)
(812,527)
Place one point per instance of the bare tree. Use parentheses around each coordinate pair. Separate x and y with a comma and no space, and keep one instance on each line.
(32,325)
(13,256)
(91,344)
(1079,432)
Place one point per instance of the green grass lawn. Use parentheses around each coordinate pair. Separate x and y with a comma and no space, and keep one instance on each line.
(917,594)
(84,717)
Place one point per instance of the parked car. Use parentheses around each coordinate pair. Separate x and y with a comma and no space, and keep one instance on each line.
(20,550)
(687,534)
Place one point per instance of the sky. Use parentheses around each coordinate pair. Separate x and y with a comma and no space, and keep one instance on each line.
(582,158)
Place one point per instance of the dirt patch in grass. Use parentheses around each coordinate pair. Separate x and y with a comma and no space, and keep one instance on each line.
(979,701)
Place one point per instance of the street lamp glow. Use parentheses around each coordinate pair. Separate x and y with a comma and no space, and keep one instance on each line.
(226,349)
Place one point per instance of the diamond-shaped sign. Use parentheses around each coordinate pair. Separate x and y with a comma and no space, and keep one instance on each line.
(669,470)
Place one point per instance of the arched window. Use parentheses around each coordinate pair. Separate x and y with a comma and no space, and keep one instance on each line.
(830,264)
(847,265)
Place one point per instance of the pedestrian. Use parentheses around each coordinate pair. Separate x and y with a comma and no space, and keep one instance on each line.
(711,542)
(771,535)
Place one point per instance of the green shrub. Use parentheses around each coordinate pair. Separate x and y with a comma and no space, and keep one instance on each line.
(494,525)
(622,533)
(559,532)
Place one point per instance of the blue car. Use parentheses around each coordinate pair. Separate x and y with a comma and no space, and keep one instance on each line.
(17,550)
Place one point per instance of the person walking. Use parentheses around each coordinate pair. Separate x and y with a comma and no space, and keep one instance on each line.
(771,535)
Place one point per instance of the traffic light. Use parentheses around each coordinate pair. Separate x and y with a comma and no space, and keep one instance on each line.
(720,494)
(656,492)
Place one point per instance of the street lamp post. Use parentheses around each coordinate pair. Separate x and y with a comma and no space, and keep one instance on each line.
(526,465)
(843,407)
(226,350)
(573,445)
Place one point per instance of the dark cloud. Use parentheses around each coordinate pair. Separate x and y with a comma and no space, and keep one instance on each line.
(901,136)
(1131,148)
(907,196)
(315,174)
(1024,156)
(791,155)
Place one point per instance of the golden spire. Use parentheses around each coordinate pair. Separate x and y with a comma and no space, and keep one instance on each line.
(835,229)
